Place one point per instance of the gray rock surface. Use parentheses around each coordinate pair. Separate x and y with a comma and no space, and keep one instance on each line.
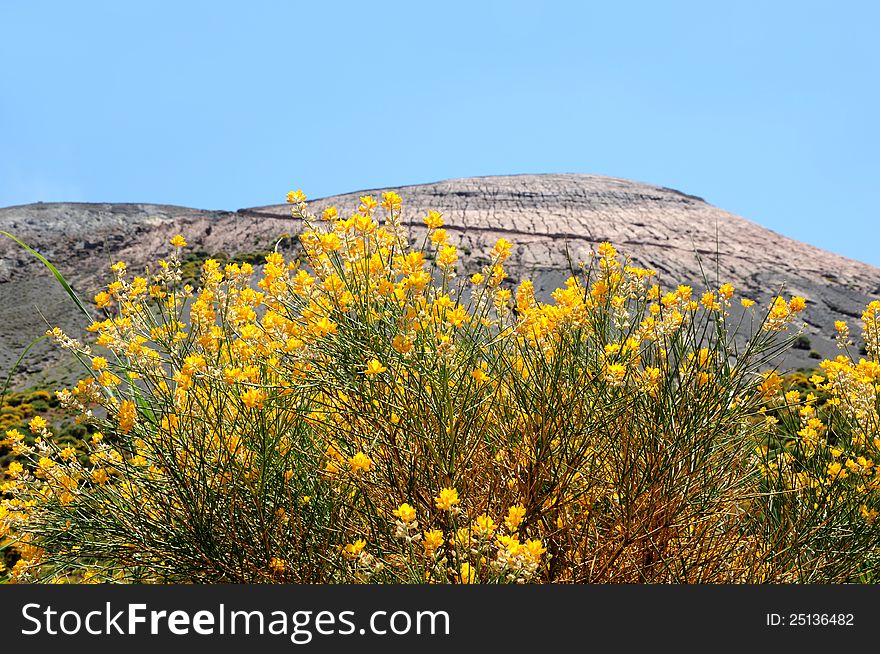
(680,235)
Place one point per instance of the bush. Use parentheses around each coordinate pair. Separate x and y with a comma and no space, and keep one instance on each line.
(801,342)
(370,417)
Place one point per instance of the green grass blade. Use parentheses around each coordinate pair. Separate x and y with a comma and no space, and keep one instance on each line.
(64,284)
(15,366)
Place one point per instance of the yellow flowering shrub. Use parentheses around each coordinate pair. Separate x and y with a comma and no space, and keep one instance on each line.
(375,415)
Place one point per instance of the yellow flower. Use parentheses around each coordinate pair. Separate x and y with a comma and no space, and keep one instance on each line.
(107,378)
(391,201)
(606,250)
(684,293)
(178,241)
(296,197)
(103,300)
(515,515)
(434,220)
(401,344)
(439,237)
(615,373)
(99,363)
(37,423)
(277,565)
(352,550)
(535,549)
(360,462)
(432,540)
(364,224)
(330,213)
(447,256)
(797,304)
(467,574)
(771,385)
(447,498)
(253,398)
(368,203)
(501,250)
(374,367)
(126,416)
(484,525)
(405,512)
(329,242)
(747,303)
(323,327)
(708,300)
(726,291)
(479,375)
(835,470)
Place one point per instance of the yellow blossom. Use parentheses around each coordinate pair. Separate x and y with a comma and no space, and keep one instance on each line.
(37,423)
(797,304)
(323,327)
(479,375)
(432,541)
(353,550)
(484,525)
(374,367)
(360,462)
(405,512)
(296,197)
(726,291)
(515,515)
(434,220)
(447,256)
(401,344)
(447,498)
(368,203)
(606,250)
(253,398)
(391,201)
(277,565)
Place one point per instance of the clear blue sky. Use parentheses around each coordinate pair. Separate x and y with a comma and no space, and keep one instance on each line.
(767,109)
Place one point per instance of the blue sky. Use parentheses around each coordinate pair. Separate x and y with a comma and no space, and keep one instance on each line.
(767,109)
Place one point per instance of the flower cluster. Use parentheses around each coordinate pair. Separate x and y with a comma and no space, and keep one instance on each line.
(361,410)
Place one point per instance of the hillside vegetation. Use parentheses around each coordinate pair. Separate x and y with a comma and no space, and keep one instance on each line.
(374,412)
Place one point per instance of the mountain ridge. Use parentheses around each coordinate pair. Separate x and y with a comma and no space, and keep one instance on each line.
(543,215)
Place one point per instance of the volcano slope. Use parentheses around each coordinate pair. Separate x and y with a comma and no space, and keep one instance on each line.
(553,221)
